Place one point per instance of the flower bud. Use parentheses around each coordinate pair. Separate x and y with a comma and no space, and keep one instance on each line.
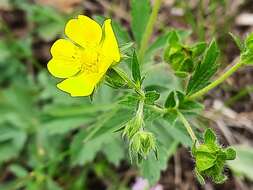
(133,126)
(142,143)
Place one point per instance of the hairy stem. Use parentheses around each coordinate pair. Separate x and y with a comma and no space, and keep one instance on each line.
(188,127)
(218,81)
(157,109)
(149,29)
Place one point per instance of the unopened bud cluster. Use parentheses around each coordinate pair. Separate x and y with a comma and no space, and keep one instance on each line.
(141,142)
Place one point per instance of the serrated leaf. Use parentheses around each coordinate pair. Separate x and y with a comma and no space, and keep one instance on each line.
(114,150)
(205,70)
(140,12)
(171,117)
(136,68)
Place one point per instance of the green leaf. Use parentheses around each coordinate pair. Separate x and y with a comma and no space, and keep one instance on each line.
(140,12)
(151,97)
(66,124)
(136,68)
(171,117)
(243,164)
(190,107)
(205,70)
(129,100)
(114,150)
(171,100)
(177,131)
(151,167)
(82,153)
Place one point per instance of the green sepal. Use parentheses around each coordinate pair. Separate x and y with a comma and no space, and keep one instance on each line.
(209,136)
(199,177)
(114,80)
(230,153)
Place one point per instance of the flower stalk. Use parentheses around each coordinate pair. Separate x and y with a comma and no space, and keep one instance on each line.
(188,127)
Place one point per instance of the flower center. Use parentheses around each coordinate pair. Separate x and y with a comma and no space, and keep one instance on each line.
(89,60)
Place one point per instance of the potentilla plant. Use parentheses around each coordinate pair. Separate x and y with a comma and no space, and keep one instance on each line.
(90,56)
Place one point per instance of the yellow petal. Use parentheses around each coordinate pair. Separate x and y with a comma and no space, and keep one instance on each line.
(81,85)
(84,31)
(66,59)
(110,46)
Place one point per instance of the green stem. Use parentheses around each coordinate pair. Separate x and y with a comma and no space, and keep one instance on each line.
(157,109)
(129,82)
(218,81)
(140,108)
(149,29)
(188,127)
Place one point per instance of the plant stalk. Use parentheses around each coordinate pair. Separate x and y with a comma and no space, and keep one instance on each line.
(149,29)
(188,127)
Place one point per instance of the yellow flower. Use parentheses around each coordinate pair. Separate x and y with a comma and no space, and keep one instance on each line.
(83,59)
